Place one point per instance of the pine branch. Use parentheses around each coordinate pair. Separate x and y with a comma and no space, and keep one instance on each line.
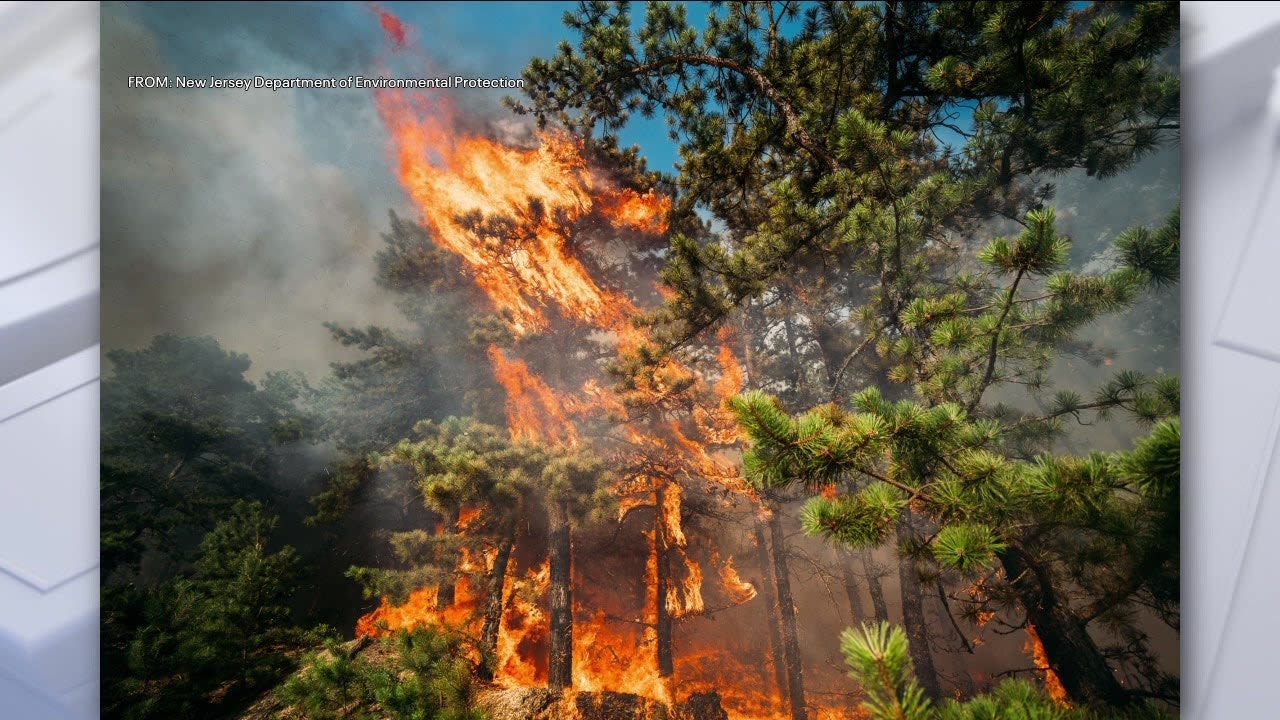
(762,83)
(835,384)
(995,343)
(942,596)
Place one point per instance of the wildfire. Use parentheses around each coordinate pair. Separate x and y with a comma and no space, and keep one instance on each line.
(605,659)
(534,412)
(524,628)
(1052,684)
(506,211)
(511,212)
(421,607)
(628,208)
(734,586)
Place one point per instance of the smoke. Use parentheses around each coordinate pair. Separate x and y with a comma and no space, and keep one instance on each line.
(217,219)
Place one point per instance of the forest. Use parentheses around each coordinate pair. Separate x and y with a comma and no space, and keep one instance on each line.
(868,409)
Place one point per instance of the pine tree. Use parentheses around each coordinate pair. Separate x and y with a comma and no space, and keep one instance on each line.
(1036,520)
(463,464)
(813,136)
(424,675)
(879,658)
(185,438)
(576,487)
(220,633)
(184,434)
(432,370)
(809,132)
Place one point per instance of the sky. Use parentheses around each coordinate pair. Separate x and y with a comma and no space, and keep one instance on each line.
(254,216)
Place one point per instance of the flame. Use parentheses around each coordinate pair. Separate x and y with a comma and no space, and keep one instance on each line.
(644,212)
(507,212)
(534,412)
(513,213)
(466,516)
(420,609)
(605,659)
(734,586)
(1052,684)
(525,626)
(392,26)
(732,378)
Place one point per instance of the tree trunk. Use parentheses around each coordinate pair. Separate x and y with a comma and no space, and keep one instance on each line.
(560,663)
(666,660)
(787,613)
(494,601)
(1071,651)
(913,619)
(874,587)
(856,612)
(796,371)
(769,589)
(445,593)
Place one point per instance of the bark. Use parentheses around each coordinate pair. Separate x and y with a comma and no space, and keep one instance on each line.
(560,663)
(1071,651)
(875,588)
(768,588)
(445,593)
(787,614)
(666,660)
(913,619)
(796,371)
(494,601)
(856,612)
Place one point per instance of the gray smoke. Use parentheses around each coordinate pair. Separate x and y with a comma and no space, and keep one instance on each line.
(218,219)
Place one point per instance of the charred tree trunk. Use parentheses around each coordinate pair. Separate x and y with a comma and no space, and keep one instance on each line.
(494,601)
(560,663)
(856,611)
(666,657)
(445,593)
(913,620)
(787,614)
(1071,651)
(878,603)
(769,589)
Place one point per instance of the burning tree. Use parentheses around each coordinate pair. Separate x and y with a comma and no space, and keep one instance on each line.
(843,256)
(486,489)
(824,141)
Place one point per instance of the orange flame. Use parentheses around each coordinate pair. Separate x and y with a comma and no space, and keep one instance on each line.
(534,412)
(1052,683)
(507,212)
(628,208)
(734,586)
